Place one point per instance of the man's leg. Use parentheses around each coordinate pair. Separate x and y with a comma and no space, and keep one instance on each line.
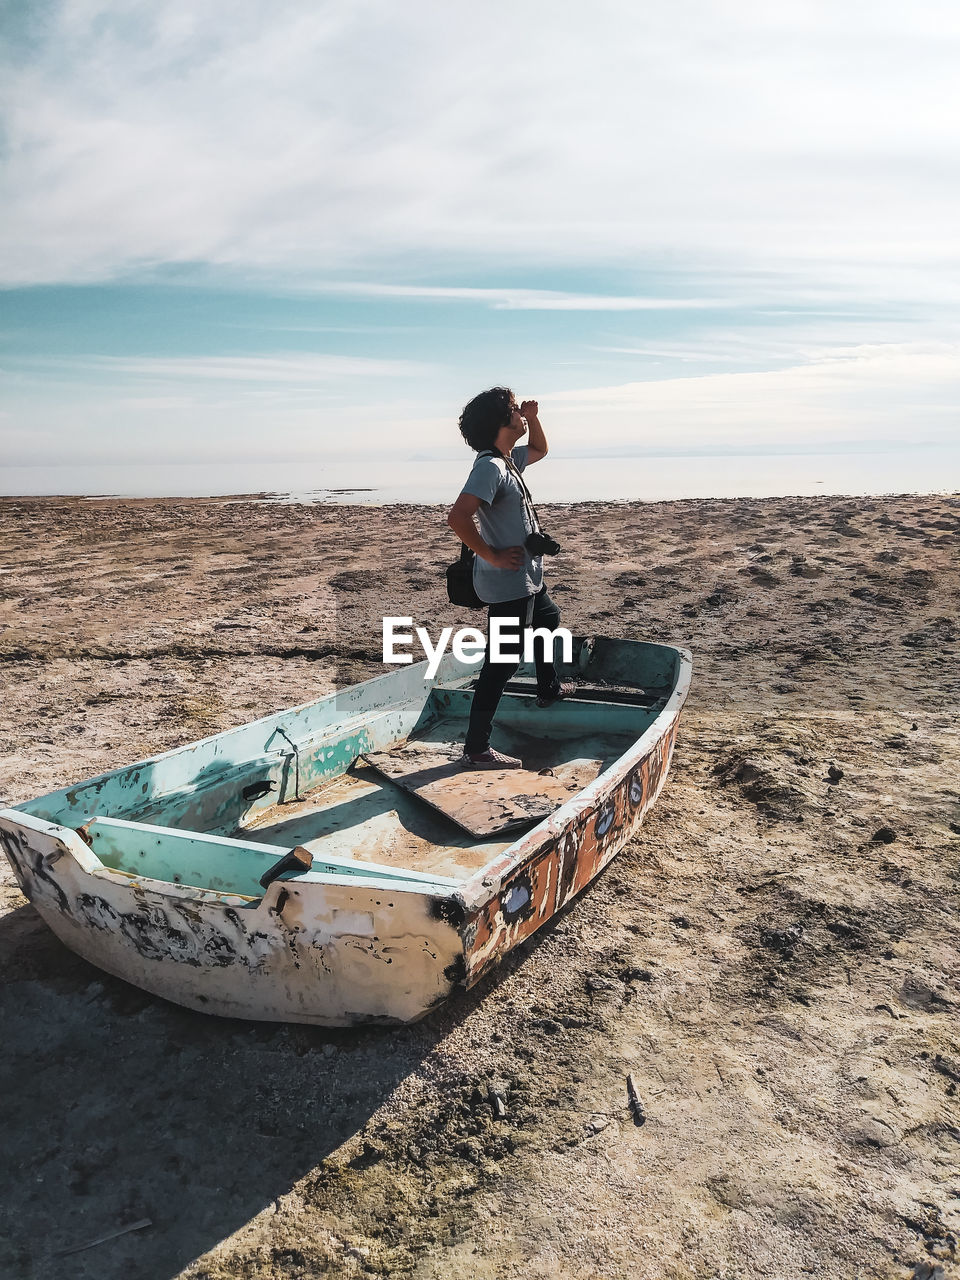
(493,677)
(545,615)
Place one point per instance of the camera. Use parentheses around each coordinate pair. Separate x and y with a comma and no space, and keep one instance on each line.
(541,544)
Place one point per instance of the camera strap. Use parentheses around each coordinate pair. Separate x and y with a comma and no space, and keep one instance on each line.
(527,499)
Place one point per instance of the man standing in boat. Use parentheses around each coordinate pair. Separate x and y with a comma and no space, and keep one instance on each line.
(509,547)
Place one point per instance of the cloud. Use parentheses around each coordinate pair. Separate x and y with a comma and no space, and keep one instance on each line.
(308,141)
(507,299)
(859,397)
(288,370)
(896,393)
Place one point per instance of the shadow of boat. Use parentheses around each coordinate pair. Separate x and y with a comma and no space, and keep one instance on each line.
(119,1106)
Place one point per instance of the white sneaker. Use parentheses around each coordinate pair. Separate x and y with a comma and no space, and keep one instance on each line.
(489,759)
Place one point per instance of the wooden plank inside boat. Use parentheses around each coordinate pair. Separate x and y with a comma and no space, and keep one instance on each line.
(484,802)
(581,691)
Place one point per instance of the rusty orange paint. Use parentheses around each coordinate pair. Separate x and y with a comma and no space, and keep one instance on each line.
(550,874)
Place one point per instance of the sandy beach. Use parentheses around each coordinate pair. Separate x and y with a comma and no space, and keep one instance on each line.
(774,958)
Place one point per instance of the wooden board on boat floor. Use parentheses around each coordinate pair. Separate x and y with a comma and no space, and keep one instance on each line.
(484,802)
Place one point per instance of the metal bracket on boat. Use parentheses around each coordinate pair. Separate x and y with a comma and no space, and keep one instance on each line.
(294,754)
(257,790)
(297,860)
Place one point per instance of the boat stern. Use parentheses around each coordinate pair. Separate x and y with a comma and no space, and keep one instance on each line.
(331,951)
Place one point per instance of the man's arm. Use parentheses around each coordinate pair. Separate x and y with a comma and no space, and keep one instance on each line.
(536,440)
(462,523)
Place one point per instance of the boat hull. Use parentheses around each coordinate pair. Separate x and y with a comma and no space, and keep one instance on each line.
(327,954)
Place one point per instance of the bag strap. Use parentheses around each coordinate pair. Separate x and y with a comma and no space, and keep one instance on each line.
(467,554)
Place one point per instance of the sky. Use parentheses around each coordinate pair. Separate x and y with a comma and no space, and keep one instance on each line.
(256,232)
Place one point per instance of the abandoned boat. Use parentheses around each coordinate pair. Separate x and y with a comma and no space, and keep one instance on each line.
(332,864)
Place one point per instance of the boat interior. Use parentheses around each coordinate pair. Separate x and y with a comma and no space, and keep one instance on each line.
(367,780)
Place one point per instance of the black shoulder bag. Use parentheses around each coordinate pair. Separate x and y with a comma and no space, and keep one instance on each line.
(460,580)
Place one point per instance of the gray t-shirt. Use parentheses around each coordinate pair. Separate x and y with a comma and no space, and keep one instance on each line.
(504,522)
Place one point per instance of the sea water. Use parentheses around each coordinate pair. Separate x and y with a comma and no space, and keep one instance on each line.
(558,478)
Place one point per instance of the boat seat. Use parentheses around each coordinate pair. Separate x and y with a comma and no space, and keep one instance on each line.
(625,694)
(220,864)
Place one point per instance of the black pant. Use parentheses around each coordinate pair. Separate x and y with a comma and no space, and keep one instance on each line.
(494,675)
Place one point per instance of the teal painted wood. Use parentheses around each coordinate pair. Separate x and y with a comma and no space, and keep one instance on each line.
(198,783)
(565,717)
(224,865)
(200,786)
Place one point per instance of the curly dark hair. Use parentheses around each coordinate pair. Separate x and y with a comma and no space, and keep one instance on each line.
(483,417)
